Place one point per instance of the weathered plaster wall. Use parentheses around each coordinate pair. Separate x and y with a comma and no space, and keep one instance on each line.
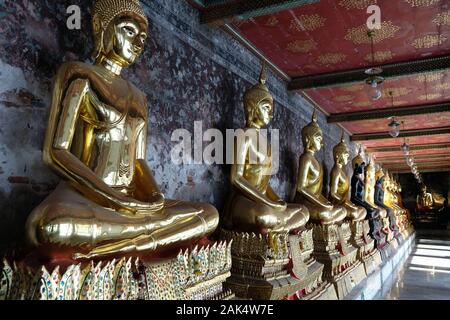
(189,72)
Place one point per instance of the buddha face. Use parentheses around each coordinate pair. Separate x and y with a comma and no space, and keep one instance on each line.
(315,142)
(343,159)
(129,40)
(263,113)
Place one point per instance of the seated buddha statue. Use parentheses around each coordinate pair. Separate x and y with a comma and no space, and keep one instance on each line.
(108,202)
(429,201)
(425,199)
(310,179)
(393,189)
(360,188)
(340,183)
(253,206)
(392,225)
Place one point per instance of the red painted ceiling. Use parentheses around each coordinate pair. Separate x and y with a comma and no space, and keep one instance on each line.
(406,91)
(442,151)
(423,121)
(331,36)
(401,161)
(423,140)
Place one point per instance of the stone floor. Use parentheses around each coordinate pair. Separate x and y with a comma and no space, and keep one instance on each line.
(426,275)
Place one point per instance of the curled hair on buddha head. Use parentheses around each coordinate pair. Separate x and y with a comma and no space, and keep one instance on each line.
(255,95)
(104,13)
(340,148)
(311,129)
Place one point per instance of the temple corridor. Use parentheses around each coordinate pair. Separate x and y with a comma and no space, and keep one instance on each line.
(426,274)
(225,150)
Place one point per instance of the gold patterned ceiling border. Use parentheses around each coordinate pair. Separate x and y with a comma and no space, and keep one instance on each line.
(430,77)
(307,22)
(396,92)
(380,56)
(429,41)
(443,86)
(356,4)
(272,22)
(302,46)
(358,35)
(442,19)
(331,58)
(430,96)
(422,3)
(399,103)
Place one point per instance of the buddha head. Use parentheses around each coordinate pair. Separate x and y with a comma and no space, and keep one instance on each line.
(258,103)
(312,135)
(359,163)
(120,30)
(423,189)
(340,152)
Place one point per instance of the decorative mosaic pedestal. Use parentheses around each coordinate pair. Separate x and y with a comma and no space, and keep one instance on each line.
(192,275)
(315,287)
(274,267)
(332,248)
(367,252)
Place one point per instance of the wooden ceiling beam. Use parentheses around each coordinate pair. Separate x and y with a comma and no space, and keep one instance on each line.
(393,70)
(431,163)
(425,170)
(416,147)
(403,134)
(388,112)
(419,158)
(218,13)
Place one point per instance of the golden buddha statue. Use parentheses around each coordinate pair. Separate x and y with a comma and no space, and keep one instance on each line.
(384,200)
(331,234)
(424,199)
(310,179)
(389,220)
(253,205)
(360,226)
(362,194)
(340,183)
(429,201)
(96,140)
(370,187)
(389,193)
(260,223)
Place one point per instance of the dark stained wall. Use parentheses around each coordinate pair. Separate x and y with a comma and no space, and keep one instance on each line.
(189,73)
